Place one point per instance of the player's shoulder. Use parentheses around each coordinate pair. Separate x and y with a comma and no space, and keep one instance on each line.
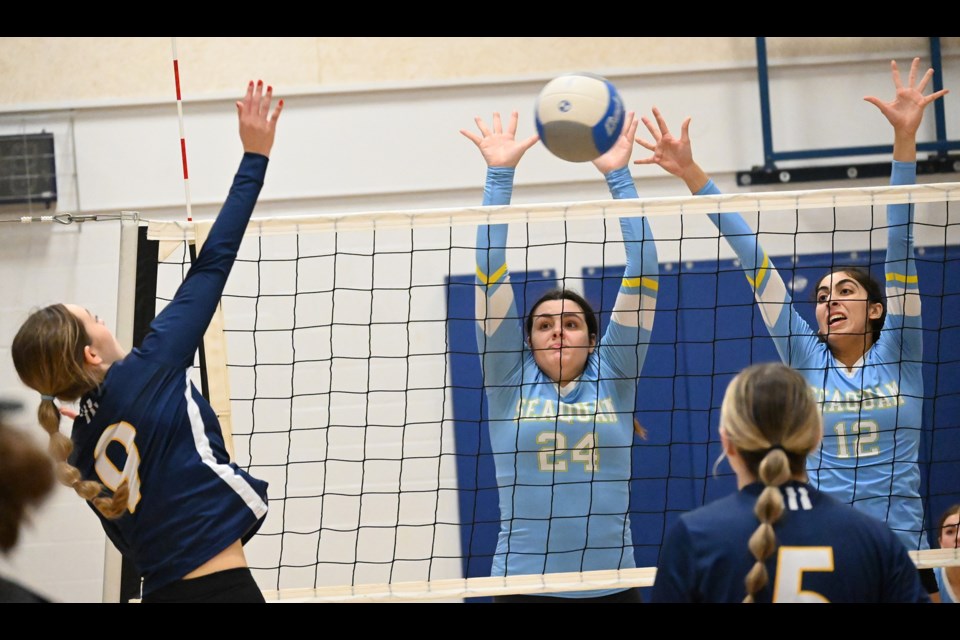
(727,511)
(856,524)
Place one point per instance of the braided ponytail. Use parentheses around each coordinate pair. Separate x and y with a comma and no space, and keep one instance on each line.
(60,447)
(48,353)
(771,418)
(774,471)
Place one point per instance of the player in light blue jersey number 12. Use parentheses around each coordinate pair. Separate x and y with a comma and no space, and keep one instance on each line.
(869,382)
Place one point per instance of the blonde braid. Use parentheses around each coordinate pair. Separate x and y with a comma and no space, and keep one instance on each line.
(112,507)
(48,353)
(774,471)
(60,448)
(772,419)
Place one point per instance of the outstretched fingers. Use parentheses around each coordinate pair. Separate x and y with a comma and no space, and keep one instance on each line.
(914,67)
(472,136)
(276,112)
(925,79)
(649,146)
(265,100)
(685,130)
(251,102)
(646,144)
(246,99)
(653,130)
(484,129)
(529,142)
(654,159)
(933,96)
(896,74)
(661,122)
(514,120)
(499,146)
(497,123)
(256,97)
(258,122)
(630,125)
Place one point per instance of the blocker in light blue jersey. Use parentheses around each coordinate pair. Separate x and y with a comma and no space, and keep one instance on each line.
(871,412)
(562,455)
(147,424)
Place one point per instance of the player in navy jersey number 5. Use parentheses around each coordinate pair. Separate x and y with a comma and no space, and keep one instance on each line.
(146,449)
(864,357)
(779,538)
(561,403)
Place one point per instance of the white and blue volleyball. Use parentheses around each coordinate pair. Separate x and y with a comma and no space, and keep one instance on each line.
(579,116)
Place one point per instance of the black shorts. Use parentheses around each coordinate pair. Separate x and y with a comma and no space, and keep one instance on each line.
(929,580)
(630,595)
(231,585)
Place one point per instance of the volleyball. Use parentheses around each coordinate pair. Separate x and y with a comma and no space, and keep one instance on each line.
(579,116)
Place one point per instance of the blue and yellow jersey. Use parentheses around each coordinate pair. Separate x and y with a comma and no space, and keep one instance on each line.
(871,412)
(563,455)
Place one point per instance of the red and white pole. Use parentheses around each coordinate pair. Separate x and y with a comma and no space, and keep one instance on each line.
(183,140)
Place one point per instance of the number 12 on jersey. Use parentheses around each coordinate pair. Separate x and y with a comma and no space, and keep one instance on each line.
(858,440)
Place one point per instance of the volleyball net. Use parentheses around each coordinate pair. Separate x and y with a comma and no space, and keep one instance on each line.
(344,364)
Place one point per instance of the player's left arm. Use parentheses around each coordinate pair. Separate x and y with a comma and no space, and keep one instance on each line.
(902,282)
(177,331)
(627,339)
(905,114)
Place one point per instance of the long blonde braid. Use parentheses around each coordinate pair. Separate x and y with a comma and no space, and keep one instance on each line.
(48,353)
(771,417)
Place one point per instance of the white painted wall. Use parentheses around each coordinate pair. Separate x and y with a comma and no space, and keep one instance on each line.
(382,145)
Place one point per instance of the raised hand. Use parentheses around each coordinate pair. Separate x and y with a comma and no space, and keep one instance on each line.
(673,154)
(498,147)
(618,155)
(258,125)
(905,111)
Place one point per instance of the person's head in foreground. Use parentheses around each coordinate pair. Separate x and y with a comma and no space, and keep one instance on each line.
(769,423)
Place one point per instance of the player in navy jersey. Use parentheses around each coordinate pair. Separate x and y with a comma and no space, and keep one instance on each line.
(779,538)
(561,402)
(868,383)
(948,535)
(146,449)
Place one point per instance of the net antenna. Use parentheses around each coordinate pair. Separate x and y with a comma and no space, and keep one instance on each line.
(128,586)
(214,387)
(183,139)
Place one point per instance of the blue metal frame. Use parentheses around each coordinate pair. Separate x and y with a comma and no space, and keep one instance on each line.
(770,157)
